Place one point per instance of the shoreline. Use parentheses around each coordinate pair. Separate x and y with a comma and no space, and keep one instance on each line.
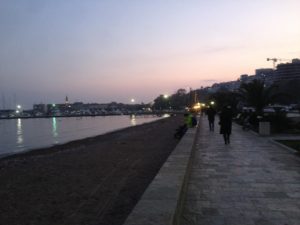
(158,114)
(55,146)
(96,180)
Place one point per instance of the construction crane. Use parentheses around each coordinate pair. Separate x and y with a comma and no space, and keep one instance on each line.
(275,60)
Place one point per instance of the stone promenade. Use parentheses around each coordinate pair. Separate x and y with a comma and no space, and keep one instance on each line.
(252,181)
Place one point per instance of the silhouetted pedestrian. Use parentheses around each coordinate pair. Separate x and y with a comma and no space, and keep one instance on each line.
(211,118)
(226,123)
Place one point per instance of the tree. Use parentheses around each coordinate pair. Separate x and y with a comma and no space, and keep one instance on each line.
(257,95)
(291,88)
(161,102)
(176,101)
(179,99)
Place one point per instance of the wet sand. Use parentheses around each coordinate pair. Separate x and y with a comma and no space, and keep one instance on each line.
(91,181)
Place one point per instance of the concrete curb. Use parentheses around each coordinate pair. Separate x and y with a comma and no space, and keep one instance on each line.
(161,204)
(275,142)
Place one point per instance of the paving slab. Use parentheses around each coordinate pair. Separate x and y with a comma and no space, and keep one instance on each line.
(250,181)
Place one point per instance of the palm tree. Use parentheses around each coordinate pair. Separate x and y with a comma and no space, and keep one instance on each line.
(257,95)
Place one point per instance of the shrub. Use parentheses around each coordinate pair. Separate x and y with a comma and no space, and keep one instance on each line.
(279,122)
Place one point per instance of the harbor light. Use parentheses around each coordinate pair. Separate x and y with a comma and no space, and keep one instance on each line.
(18,109)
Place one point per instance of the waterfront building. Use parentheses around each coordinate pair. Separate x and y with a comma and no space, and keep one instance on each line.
(40,109)
(228,86)
(288,71)
(265,74)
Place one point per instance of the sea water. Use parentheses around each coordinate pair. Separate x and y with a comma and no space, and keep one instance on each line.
(17,135)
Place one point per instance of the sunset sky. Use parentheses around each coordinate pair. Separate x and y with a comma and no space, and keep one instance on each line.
(115,50)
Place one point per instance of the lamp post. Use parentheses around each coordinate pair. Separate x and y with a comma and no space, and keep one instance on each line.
(167,98)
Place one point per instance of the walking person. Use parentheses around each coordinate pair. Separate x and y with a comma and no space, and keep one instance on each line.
(226,123)
(211,118)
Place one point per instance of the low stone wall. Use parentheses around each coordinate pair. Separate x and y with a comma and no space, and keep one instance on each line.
(162,201)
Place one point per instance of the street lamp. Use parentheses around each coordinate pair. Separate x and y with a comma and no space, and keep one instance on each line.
(212,102)
(18,109)
(132,100)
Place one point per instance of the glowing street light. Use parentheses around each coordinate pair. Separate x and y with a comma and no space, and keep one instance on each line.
(212,102)
(197,106)
(166,96)
(18,110)
(132,100)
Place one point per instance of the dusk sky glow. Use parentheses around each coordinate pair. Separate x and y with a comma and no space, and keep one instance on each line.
(116,50)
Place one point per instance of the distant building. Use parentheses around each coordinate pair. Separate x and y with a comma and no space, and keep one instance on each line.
(288,71)
(225,86)
(77,105)
(244,78)
(40,108)
(66,100)
(265,74)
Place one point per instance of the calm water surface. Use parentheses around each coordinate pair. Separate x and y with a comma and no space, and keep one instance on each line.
(17,135)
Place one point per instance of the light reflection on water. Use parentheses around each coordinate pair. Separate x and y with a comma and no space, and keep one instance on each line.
(19,132)
(18,135)
(54,127)
(132,120)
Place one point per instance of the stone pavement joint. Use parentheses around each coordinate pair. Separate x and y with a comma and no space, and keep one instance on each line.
(252,181)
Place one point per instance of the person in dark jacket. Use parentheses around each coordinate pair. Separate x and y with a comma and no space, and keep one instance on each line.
(211,118)
(226,123)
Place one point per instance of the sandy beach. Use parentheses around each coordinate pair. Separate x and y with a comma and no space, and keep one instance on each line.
(91,181)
